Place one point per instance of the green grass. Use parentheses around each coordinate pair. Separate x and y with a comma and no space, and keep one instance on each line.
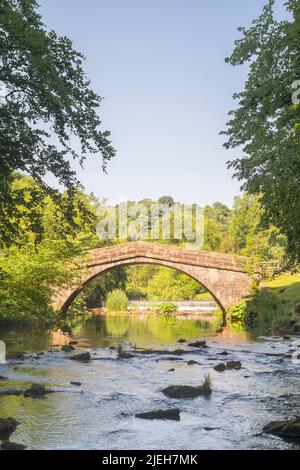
(286,287)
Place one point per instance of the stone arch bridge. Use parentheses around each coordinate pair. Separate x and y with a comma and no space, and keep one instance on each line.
(223,276)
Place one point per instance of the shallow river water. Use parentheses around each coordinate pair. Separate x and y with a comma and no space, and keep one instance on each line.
(100,413)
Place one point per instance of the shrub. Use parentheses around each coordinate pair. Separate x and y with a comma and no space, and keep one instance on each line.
(237,313)
(116,301)
(166,308)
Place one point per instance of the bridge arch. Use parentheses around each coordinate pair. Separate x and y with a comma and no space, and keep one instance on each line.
(222,275)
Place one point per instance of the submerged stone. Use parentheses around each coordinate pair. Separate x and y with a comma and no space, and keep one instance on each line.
(173,414)
(10,392)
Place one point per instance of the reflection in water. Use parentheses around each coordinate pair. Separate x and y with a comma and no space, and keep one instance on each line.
(100,413)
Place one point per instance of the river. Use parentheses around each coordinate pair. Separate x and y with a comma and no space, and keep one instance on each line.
(100,413)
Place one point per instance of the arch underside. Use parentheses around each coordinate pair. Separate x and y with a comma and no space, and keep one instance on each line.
(225,287)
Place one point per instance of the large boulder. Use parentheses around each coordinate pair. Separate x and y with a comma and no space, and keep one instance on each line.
(186,391)
(286,428)
(172,413)
(7,427)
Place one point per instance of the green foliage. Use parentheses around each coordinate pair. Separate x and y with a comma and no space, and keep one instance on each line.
(99,288)
(237,313)
(167,308)
(249,235)
(46,98)
(265,123)
(263,310)
(168,284)
(28,276)
(116,301)
(137,280)
(36,216)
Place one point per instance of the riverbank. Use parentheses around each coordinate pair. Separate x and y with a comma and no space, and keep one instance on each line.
(275,306)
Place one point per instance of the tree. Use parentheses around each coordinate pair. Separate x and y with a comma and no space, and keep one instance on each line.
(249,238)
(166,200)
(168,284)
(28,275)
(35,216)
(48,112)
(266,124)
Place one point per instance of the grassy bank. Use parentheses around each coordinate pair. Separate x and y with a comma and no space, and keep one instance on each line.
(275,307)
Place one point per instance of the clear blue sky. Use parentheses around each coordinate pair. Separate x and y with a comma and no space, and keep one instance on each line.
(159,64)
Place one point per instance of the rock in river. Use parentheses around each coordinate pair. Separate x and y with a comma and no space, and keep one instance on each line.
(7,445)
(198,344)
(233,365)
(36,391)
(287,428)
(172,413)
(7,427)
(82,357)
(186,391)
(220,367)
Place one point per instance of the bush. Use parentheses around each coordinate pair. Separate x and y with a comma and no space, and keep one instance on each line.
(166,308)
(237,313)
(116,301)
